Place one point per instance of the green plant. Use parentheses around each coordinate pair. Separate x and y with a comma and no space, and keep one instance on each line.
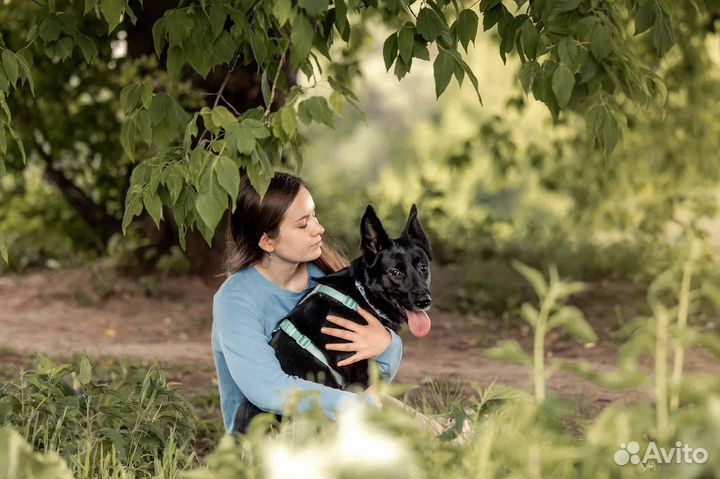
(95,425)
(19,461)
(551,314)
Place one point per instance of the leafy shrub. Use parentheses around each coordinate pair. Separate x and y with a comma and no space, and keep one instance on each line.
(96,426)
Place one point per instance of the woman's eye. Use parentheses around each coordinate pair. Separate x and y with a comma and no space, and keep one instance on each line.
(303,226)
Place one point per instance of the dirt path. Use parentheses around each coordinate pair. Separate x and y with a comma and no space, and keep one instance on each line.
(61,312)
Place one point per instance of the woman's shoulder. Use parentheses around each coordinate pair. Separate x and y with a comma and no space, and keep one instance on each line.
(238,285)
(235,297)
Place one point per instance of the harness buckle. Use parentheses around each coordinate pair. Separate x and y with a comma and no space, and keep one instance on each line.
(303,342)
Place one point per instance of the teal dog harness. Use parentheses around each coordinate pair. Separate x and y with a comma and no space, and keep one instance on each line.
(304,342)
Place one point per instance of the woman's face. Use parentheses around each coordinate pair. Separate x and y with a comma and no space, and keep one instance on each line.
(299,238)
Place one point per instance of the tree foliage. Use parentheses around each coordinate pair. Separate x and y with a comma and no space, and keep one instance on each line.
(577,57)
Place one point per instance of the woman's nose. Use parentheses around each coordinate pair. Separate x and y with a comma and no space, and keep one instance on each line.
(321,230)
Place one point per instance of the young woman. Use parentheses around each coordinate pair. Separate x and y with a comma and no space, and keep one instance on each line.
(275,251)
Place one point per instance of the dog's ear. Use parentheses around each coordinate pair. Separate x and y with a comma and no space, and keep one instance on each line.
(414,232)
(373,235)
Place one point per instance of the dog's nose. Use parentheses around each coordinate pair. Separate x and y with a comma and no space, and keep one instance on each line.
(423,301)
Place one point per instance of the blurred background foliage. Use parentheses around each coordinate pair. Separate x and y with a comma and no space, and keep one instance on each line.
(494,182)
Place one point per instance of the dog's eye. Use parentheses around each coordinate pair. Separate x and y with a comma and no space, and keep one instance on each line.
(394,272)
(423,268)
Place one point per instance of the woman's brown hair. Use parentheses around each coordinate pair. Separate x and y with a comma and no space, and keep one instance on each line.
(253,217)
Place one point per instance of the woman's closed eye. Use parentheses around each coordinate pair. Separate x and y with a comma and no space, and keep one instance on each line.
(304,225)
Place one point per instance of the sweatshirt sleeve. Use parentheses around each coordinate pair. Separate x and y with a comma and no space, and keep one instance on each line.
(389,360)
(254,367)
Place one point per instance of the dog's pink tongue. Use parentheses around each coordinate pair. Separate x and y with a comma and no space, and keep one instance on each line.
(419,323)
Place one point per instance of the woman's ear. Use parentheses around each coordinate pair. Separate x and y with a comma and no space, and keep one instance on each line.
(266,243)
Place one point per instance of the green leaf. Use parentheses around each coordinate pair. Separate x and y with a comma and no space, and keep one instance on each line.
(529,38)
(146,94)
(493,16)
(467,27)
(216,16)
(315,108)
(228,175)
(211,200)
(173,179)
(19,460)
(222,117)
(288,120)
(568,5)
(10,64)
(563,82)
(600,44)
(527,74)
(133,207)
(533,276)
(153,205)
(529,313)
(4,84)
(509,351)
(486,5)
(571,319)
(567,50)
(259,175)
(259,46)
(240,138)
(143,125)
(406,41)
(281,10)
(130,97)
(611,134)
(85,370)
(390,50)
(314,7)
(663,35)
(3,247)
(128,138)
(421,51)
(341,21)
(19,143)
(112,11)
(257,127)
(302,38)
(159,33)
(443,68)
(428,24)
(588,69)
(87,47)
(3,148)
(25,66)
(645,16)
(175,61)
(89,6)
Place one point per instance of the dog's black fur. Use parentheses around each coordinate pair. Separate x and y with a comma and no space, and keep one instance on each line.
(395,275)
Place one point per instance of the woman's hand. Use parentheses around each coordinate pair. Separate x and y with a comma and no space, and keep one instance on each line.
(367,341)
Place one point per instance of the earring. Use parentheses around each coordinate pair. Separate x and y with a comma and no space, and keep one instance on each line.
(270,255)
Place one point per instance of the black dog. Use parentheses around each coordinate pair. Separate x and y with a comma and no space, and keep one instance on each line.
(391,280)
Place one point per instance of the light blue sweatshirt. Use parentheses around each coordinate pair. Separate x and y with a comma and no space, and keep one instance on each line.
(246,309)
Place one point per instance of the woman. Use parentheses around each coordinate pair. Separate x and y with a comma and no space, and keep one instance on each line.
(276,250)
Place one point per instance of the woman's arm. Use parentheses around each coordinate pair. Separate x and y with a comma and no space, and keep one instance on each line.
(254,366)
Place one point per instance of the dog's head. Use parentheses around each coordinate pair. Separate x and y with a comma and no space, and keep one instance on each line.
(399,269)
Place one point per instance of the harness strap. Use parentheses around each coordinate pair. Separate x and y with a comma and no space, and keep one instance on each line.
(334,294)
(305,343)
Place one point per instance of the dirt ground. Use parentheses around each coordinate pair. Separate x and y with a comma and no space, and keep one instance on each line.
(75,310)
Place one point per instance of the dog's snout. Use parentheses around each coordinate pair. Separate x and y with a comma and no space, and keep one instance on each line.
(423,301)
